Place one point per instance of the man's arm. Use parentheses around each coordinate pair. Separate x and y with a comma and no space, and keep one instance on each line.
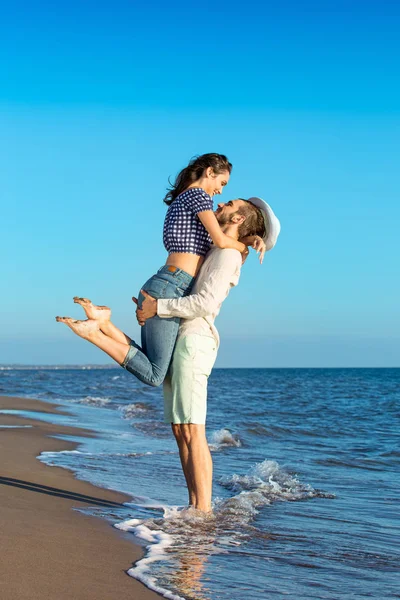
(205,302)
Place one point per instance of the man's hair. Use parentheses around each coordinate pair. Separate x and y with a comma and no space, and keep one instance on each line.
(254,223)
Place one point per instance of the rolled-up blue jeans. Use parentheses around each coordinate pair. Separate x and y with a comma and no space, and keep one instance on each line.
(150,362)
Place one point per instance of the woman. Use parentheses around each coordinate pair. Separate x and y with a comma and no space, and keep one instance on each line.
(189,229)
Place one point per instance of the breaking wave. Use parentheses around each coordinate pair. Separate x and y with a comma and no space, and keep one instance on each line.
(92,401)
(223,438)
(134,410)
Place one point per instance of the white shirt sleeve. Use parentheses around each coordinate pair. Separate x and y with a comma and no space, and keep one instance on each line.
(211,294)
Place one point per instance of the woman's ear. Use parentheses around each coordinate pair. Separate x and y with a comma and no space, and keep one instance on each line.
(210,172)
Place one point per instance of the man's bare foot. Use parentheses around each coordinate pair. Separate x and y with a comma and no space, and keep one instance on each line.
(84,329)
(100,313)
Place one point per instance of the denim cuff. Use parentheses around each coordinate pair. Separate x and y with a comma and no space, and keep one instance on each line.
(130,354)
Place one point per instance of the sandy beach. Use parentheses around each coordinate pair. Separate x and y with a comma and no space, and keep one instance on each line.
(48,550)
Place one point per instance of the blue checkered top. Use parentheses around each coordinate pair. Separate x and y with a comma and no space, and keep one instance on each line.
(183,230)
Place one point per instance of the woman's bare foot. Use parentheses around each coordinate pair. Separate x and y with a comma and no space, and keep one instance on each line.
(85,329)
(100,313)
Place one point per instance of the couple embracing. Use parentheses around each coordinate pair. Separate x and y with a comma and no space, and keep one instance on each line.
(178,305)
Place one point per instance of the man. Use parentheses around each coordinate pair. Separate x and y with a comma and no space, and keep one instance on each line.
(185,387)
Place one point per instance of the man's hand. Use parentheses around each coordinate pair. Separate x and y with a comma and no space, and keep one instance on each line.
(148,310)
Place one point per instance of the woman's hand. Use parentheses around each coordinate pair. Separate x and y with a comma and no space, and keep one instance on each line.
(260,247)
(245,254)
(256,242)
(148,310)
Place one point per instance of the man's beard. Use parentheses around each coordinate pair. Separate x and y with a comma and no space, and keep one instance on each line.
(224,219)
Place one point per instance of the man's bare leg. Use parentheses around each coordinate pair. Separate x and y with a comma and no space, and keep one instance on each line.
(102,314)
(184,456)
(90,330)
(199,464)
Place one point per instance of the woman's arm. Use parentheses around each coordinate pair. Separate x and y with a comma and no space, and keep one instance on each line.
(256,242)
(209,220)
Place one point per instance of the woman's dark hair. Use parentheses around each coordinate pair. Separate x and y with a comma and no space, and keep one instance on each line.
(195,169)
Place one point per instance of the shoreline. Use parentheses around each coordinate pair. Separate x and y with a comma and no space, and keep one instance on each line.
(48,549)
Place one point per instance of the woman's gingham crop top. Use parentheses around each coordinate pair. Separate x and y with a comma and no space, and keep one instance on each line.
(183,230)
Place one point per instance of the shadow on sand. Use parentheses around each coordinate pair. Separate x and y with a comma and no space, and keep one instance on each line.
(52,491)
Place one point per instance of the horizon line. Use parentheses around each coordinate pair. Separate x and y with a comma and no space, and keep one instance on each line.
(5,366)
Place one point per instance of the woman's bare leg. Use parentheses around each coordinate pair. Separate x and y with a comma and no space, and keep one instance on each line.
(113,332)
(102,314)
(90,330)
(98,313)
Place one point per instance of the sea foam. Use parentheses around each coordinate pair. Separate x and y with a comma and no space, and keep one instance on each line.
(223,438)
(133,410)
(92,401)
(15,426)
(159,541)
(272,482)
(191,531)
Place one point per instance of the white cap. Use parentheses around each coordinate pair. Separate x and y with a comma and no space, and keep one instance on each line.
(272,224)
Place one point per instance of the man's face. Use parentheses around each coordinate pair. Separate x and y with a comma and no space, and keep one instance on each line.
(227,210)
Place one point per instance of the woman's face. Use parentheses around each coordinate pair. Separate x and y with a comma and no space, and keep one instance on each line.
(215,183)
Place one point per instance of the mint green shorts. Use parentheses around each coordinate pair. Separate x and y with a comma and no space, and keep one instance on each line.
(185,387)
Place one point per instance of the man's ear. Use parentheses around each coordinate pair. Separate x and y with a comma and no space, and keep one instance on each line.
(238,219)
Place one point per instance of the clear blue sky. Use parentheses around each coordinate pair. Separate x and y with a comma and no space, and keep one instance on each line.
(101,102)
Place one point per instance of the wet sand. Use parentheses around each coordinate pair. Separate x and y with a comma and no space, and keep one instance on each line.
(48,550)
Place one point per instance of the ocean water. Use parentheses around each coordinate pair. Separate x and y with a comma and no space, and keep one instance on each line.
(306,478)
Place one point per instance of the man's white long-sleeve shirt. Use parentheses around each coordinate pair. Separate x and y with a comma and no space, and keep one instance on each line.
(218,274)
